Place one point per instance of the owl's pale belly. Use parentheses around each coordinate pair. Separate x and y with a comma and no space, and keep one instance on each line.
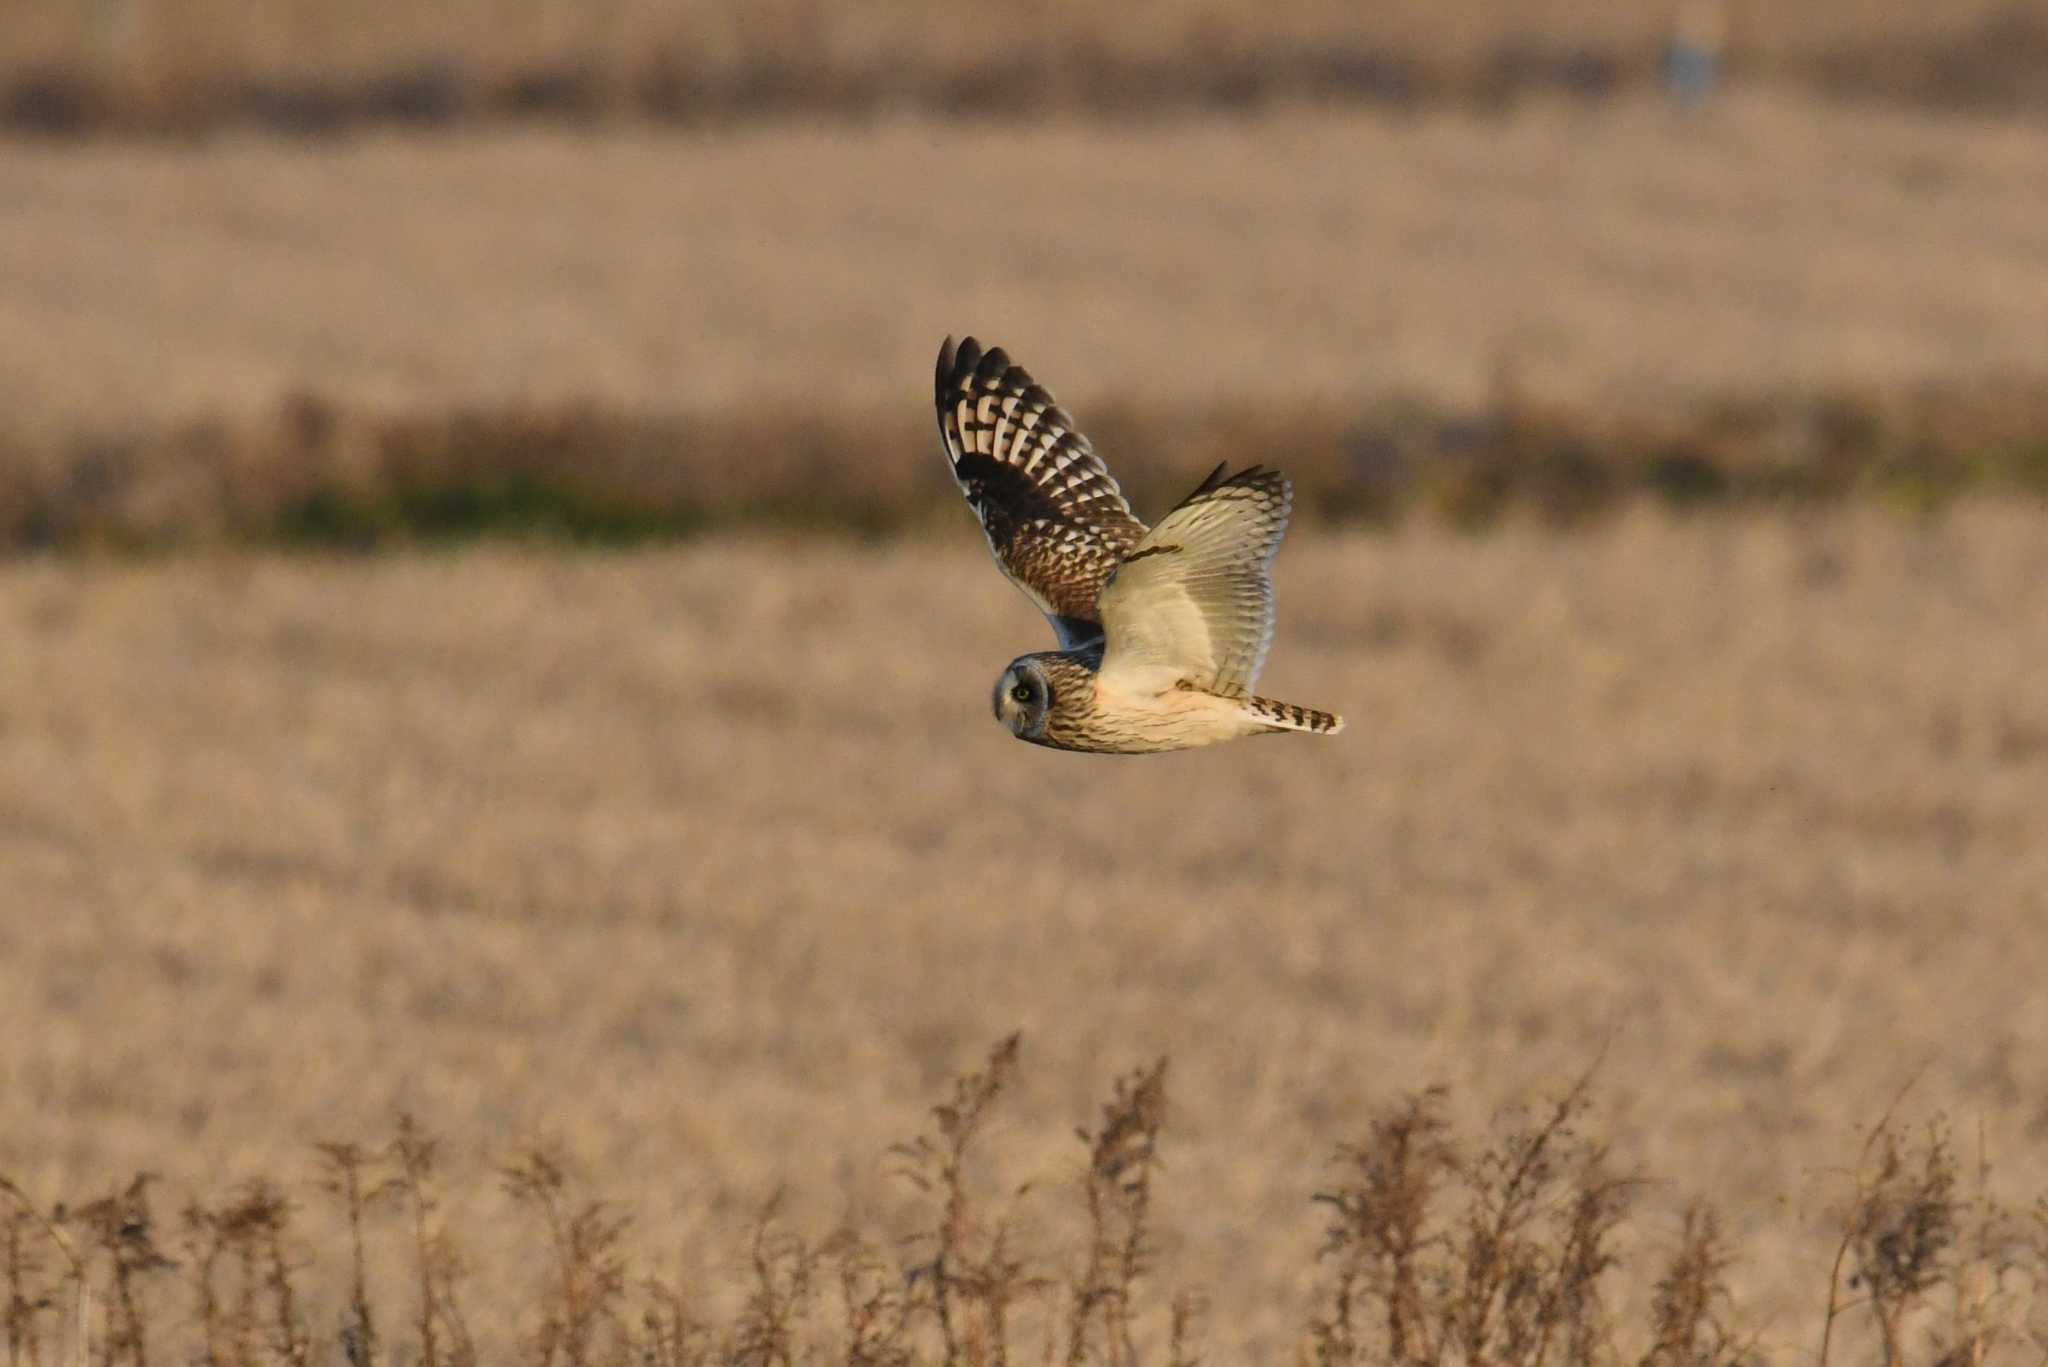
(1133,721)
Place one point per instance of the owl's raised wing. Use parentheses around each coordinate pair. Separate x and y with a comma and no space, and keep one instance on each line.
(1193,601)
(1054,517)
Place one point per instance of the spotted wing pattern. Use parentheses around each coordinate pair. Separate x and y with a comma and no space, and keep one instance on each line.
(1055,519)
(1193,601)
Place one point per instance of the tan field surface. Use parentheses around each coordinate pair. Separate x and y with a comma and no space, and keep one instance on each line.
(1626,257)
(710,864)
(701,865)
(188,37)
(196,334)
(318,65)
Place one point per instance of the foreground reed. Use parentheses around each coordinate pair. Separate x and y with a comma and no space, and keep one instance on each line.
(1439,1248)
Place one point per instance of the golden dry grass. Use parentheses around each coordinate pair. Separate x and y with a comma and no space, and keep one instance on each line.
(710,865)
(202,36)
(1627,255)
(1268,275)
(706,865)
(181,64)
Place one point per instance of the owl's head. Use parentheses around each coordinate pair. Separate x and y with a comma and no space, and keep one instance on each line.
(1023,698)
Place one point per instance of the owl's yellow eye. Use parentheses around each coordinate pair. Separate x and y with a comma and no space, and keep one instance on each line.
(1022,692)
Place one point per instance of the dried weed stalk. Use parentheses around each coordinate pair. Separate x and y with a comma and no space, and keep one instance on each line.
(29,1296)
(24,1264)
(1123,1156)
(1184,1331)
(970,1268)
(1381,1241)
(247,1235)
(587,1274)
(1435,1253)
(1689,1326)
(784,1270)
(670,1336)
(122,1229)
(1500,1258)
(347,1174)
(873,1301)
(438,1267)
(1909,1232)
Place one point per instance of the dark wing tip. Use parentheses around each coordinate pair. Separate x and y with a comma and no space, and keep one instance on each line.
(967,365)
(1258,477)
(956,361)
(994,368)
(1251,477)
(1215,477)
(949,363)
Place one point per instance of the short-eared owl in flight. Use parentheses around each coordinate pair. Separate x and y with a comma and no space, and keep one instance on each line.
(1161,632)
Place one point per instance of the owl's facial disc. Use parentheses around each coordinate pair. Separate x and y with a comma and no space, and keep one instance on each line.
(1022,699)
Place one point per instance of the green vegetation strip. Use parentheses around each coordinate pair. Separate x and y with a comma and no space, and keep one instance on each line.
(318,475)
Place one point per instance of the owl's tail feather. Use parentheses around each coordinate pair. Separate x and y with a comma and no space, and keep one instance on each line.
(1273,715)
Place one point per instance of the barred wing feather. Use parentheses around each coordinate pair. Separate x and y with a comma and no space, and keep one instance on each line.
(1055,519)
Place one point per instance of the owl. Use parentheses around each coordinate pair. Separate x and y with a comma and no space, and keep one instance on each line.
(1161,632)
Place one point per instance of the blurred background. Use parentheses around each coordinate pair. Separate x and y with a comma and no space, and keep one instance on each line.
(485,630)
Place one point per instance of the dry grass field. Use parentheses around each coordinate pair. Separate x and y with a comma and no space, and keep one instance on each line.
(708,866)
(691,877)
(321,65)
(1630,256)
(788,286)
(198,36)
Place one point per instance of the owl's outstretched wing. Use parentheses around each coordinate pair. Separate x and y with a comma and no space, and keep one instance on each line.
(1055,519)
(1193,601)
